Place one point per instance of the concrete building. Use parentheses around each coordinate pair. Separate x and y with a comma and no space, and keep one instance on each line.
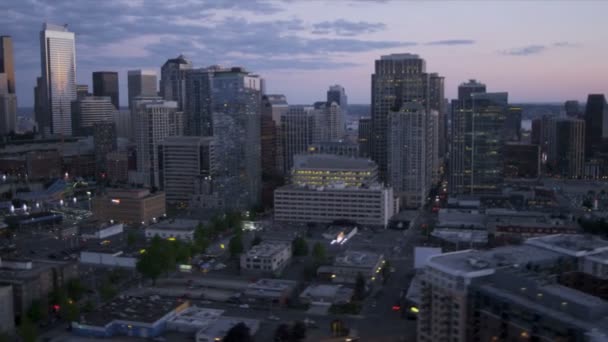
(117,167)
(123,121)
(273,107)
(8,99)
(266,292)
(173,80)
(109,257)
(154,120)
(58,61)
(130,206)
(7,315)
(8,112)
(521,160)
(220,328)
(329,122)
(180,161)
(572,108)
(322,294)
(105,141)
(7,64)
(325,169)
(105,83)
(297,132)
(348,265)
(338,148)
(179,229)
(82,91)
(513,292)
(566,147)
(89,110)
(267,257)
(337,94)
(596,124)
(101,231)
(141,83)
(407,154)
(364,137)
(372,206)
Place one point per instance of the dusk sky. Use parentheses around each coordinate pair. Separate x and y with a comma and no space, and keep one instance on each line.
(537,51)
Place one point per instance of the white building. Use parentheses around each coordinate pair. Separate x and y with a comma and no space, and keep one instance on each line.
(181,160)
(153,120)
(350,264)
(372,205)
(270,257)
(327,169)
(110,258)
(89,110)
(179,229)
(101,232)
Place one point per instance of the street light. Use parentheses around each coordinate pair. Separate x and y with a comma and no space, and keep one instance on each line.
(74,200)
(61,202)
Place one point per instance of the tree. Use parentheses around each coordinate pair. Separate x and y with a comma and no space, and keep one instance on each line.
(235,246)
(74,289)
(282,333)
(36,312)
(359,287)
(72,312)
(131,239)
(150,265)
(298,332)
(27,330)
(107,291)
(201,238)
(587,203)
(318,253)
(386,270)
(4,337)
(256,240)
(238,333)
(299,247)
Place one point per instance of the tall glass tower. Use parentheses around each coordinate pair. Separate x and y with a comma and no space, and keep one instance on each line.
(58,62)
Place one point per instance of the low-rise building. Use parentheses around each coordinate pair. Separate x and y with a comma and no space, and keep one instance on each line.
(108,257)
(7,315)
(220,328)
(179,229)
(269,291)
(194,319)
(350,264)
(129,316)
(326,294)
(327,169)
(100,230)
(131,206)
(267,257)
(373,206)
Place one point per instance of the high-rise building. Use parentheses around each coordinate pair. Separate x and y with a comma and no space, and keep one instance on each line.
(329,121)
(337,148)
(89,110)
(173,80)
(117,167)
(397,79)
(337,94)
(82,91)
(572,108)
(154,120)
(297,131)
(141,83)
(325,169)
(124,122)
(197,109)
(7,64)
(513,124)
(521,160)
(39,107)
(407,149)
(8,113)
(566,143)
(596,124)
(58,61)
(365,136)
(437,103)
(104,141)
(181,160)
(273,107)
(105,83)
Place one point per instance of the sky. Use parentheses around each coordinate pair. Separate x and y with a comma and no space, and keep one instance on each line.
(538,51)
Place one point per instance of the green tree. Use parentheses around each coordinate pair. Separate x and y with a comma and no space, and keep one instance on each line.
(107,291)
(235,246)
(234,221)
(36,312)
(4,337)
(587,203)
(201,238)
(75,289)
(131,239)
(88,306)
(256,240)
(150,265)
(72,312)
(238,333)
(28,330)
(299,247)
(319,253)
(386,271)
(360,282)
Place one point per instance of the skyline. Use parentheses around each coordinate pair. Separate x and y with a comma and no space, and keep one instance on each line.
(301,48)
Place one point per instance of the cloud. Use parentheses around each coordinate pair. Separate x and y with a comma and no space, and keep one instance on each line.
(343,27)
(452,42)
(536,49)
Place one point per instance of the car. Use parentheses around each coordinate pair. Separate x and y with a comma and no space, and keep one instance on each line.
(273,318)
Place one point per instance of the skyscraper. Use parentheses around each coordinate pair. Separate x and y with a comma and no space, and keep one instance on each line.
(364,136)
(58,61)
(141,83)
(566,143)
(105,83)
(297,132)
(437,103)
(329,121)
(7,65)
(89,110)
(596,124)
(39,106)
(572,108)
(153,119)
(104,141)
(173,79)
(82,91)
(398,78)
(8,111)
(273,107)
(407,154)
(197,108)
(337,94)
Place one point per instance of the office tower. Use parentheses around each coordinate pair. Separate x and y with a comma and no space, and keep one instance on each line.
(124,123)
(596,124)
(521,160)
(466,89)
(82,91)
(572,108)
(154,120)
(437,103)
(181,160)
(337,94)
(197,109)
(337,148)
(397,79)
(141,83)
(105,83)
(407,150)
(297,131)
(432,148)
(273,107)
(513,124)
(329,121)
(566,142)
(39,108)
(7,65)
(8,112)
(104,142)
(173,79)
(236,104)
(58,61)
(117,167)
(364,136)
(326,169)
(89,110)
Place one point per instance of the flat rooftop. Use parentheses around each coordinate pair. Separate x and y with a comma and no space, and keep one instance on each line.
(332,162)
(175,224)
(266,249)
(9,275)
(195,315)
(221,326)
(127,308)
(357,259)
(574,245)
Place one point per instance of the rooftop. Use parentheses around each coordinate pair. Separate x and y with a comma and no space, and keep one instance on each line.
(358,259)
(331,162)
(272,285)
(196,316)
(223,324)
(9,274)
(175,224)
(266,249)
(135,309)
(574,245)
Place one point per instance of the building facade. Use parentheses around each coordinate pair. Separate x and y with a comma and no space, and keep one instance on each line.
(337,94)
(141,83)
(104,142)
(566,144)
(273,107)
(105,83)
(267,257)
(297,132)
(8,99)
(521,160)
(325,169)
(364,137)
(596,124)
(173,80)
(130,206)
(89,110)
